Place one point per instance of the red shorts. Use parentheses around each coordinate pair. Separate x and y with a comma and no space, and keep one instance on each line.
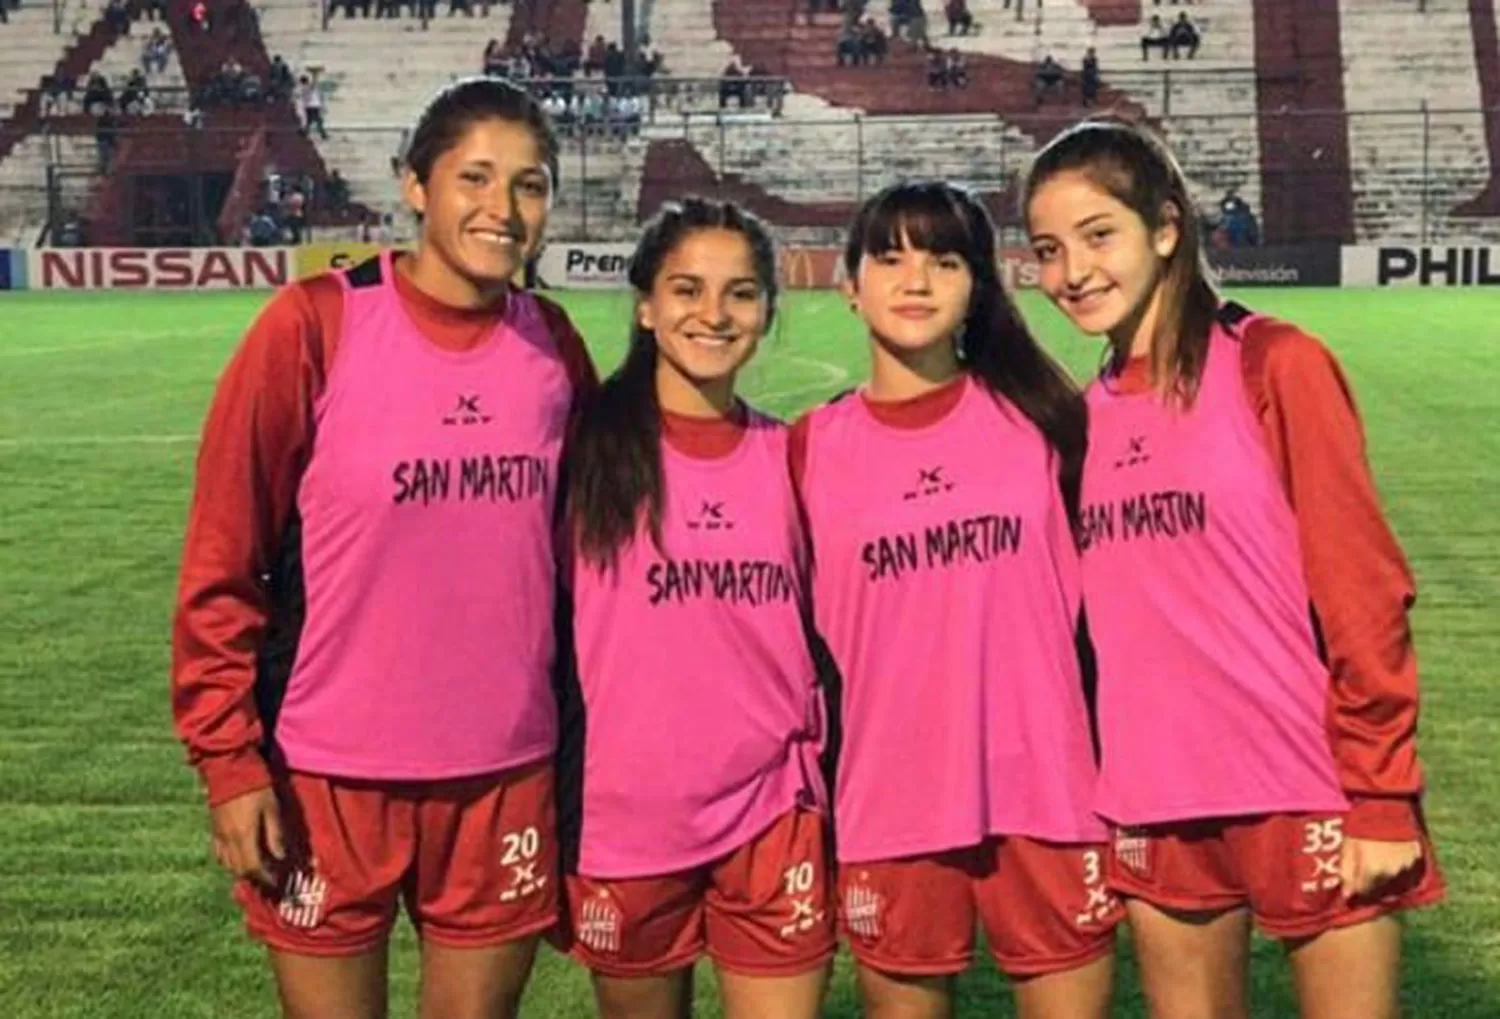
(473,859)
(763,910)
(1044,906)
(1284,867)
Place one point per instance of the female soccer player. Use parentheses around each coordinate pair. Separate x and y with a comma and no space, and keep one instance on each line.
(364,632)
(946,586)
(1257,687)
(703,809)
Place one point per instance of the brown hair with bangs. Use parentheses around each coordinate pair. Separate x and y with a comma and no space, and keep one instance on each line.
(1132,165)
(994,346)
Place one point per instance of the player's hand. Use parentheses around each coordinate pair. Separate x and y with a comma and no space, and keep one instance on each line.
(1367,864)
(248,836)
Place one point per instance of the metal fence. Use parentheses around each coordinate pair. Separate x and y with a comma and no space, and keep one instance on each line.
(1412,172)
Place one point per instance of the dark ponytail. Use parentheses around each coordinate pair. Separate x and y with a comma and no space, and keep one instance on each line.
(995,345)
(614,470)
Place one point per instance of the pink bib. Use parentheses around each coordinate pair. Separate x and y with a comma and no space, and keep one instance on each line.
(1211,692)
(427,550)
(702,716)
(946,586)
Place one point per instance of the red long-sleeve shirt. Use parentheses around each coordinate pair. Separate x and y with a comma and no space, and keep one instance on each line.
(256,443)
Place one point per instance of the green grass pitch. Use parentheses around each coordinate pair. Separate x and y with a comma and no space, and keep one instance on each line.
(109,902)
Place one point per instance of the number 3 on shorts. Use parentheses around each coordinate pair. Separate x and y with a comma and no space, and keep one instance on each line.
(1091,869)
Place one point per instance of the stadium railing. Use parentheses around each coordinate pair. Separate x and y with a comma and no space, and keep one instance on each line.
(811,167)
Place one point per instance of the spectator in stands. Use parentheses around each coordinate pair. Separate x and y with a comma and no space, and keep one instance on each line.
(614,67)
(1184,36)
(848,51)
(1156,37)
(556,107)
(117,16)
(873,43)
(594,63)
(199,16)
(283,82)
(1048,80)
(310,98)
(1240,226)
(908,18)
(193,117)
(651,63)
(732,85)
(937,70)
(52,94)
(156,51)
(97,96)
(960,21)
(570,56)
(337,192)
(263,230)
(957,69)
(757,85)
(294,215)
(494,59)
(251,89)
(70,234)
(135,95)
(901,12)
(1090,85)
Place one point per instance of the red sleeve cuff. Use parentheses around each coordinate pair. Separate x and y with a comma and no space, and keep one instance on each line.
(1383,818)
(227,776)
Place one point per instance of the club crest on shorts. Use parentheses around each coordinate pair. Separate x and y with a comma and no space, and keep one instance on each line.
(862,907)
(599,922)
(1133,851)
(303,895)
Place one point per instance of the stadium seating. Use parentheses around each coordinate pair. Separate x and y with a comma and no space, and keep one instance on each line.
(1434,67)
(1384,168)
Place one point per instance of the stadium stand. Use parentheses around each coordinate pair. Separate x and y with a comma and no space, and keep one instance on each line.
(1304,109)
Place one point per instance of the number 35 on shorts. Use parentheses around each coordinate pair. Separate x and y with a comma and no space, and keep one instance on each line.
(1323,843)
(520,851)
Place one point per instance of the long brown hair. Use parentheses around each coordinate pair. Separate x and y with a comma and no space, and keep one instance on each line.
(615,482)
(1135,167)
(995,346)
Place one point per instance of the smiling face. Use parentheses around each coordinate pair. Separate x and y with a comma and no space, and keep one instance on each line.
(1100,262)
(484,209)
(708,310)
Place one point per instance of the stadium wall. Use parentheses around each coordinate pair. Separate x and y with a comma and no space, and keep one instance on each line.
(594,266)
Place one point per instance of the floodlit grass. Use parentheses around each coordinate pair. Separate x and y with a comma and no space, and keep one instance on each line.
(110,903)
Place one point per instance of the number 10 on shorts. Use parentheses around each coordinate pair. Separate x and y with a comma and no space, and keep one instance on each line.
(797,882)
(519,852)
